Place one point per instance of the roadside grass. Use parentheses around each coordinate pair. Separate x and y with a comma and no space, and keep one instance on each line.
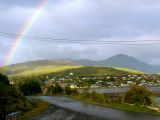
(39,107)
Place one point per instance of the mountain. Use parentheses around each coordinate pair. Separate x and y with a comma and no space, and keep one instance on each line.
(124,61)
(86,62)
(120,62)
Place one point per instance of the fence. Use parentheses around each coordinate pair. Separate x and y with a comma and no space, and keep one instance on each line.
(13,116)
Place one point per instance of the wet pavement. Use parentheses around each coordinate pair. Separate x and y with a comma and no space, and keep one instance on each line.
(57,113)
(64,108)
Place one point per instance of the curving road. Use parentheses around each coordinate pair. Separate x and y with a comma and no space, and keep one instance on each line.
(63,108)
(58,113)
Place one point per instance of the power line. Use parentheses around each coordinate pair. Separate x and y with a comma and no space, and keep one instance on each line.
(31,37)
(83,41)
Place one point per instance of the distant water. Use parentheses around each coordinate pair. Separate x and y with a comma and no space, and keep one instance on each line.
(118,90)
(158,100)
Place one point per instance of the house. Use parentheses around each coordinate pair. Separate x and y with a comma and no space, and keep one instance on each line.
(124,85)
(129,82)
(110,83)
(61,79)
(71,74)
(73,86)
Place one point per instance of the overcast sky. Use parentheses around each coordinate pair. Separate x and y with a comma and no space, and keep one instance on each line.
(112,20)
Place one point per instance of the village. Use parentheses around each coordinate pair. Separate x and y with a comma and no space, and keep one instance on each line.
(101,81)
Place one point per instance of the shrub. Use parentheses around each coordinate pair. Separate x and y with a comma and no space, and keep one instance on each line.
(138,95)
(4,79)
(74,92)
(57,89)
(30,87)
(68,90)
(11,100)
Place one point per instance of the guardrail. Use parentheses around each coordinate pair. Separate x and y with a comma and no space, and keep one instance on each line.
(13,116)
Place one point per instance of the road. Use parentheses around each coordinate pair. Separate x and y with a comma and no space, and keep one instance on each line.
(63,108)
(58,113)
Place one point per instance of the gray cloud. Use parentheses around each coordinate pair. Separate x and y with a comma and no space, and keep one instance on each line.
(19,2)
(82,19)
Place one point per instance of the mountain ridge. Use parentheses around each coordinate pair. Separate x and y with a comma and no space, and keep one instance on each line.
(119,60)
(122,60)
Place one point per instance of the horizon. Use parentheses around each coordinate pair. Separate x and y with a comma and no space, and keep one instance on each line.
(120,54)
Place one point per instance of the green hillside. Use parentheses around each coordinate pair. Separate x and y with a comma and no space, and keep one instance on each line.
(41,67)
(36,67)
(129,70)
(93,71)
(43,70)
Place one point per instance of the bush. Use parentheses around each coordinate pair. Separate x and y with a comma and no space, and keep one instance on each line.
(11,100)
(57,89)
(30,87)
(68,90)
(74,92)
(138,95)
(4,79)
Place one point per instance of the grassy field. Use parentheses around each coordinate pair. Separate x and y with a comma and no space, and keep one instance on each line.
(94,71)
(43,70)
(21,67)
(129,70)
(77,70)
(62,67)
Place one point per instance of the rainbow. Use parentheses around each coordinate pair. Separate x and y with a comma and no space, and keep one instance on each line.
(25,28)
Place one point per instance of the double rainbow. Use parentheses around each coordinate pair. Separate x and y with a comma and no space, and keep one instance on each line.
(25,28)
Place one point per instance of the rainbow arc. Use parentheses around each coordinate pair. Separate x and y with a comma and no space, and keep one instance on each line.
(24,30)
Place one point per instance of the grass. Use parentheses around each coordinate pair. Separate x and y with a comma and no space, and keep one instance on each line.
(40,107)
(63,70)
(94,71)
(44,70)
(129,70)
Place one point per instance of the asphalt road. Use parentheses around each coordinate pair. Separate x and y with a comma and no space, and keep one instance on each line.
(58,113)
(64,108)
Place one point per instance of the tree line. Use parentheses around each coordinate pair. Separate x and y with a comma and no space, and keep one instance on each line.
(11,99)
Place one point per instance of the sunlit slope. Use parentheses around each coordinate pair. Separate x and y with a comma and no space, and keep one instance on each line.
(36,67)
(94,71)
(129,70)
(61,67)
(43,70)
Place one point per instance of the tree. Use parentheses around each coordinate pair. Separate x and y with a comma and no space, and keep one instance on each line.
(4,79)
(56,89)
(30,87)
(139,95)
(68,90)
(11,99)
